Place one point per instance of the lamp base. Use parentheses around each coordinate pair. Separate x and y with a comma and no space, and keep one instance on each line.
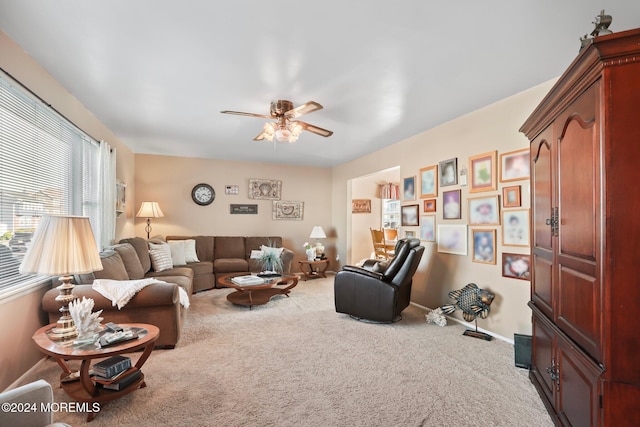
(65,330)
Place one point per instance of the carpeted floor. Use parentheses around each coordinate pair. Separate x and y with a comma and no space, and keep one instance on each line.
(296,362)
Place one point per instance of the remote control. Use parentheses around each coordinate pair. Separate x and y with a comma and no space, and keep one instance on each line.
(113,327)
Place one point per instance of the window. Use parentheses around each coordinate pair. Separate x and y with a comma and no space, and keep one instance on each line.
(47,166)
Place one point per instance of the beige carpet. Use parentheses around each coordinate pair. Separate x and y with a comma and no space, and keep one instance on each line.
(296,362)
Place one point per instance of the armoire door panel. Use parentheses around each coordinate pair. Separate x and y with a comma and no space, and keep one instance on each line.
(578,308)
(543,356)
(577,195)
(542,196)
(542,287)
(577,402)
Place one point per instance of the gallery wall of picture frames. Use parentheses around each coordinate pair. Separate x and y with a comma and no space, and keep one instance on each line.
(494,207)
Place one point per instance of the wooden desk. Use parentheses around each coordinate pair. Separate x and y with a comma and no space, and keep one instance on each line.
(84,389)
(314,269)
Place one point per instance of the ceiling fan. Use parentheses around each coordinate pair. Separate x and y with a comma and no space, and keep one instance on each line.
(286,128)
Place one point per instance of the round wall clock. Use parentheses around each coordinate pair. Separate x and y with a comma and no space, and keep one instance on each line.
(203,194)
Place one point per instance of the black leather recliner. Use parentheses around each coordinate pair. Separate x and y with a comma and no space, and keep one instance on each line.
(376,292)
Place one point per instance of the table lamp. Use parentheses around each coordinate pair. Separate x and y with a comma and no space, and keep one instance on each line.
(318,233)
(62,246)
(149,210)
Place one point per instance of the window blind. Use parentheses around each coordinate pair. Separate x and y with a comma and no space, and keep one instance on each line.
(47,166)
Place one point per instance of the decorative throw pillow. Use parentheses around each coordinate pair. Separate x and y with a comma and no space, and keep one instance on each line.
(177,252)
(190,253)
(160,260)
(162,246)
(268,249)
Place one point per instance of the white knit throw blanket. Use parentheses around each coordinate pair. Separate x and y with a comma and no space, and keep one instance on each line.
(121,291)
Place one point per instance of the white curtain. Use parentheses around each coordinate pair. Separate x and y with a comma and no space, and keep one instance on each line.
(106,232)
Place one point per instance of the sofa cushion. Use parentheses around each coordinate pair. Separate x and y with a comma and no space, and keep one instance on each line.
(130,260)
(112,267)
(142,249)
(229,247)
(202,267)
(230,265)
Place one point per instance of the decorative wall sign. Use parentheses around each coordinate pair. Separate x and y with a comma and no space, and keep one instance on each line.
(288,210)
(265,189)
(233,190)
(244,209)
(361,206)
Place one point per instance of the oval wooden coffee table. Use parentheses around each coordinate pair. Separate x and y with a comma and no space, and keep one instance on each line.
(84,389)
(250,295)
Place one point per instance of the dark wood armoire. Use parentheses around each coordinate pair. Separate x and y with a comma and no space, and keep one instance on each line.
(585,228)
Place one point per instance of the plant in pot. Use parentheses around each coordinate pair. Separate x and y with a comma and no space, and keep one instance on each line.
(271,263)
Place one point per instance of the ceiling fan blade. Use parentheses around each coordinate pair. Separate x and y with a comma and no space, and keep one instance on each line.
(303,109)
(315,129)
(260,137)
(240,113)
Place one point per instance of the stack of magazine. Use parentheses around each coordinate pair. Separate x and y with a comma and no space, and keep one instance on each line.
(247,280)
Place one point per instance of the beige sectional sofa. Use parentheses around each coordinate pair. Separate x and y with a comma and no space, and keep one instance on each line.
(159,303)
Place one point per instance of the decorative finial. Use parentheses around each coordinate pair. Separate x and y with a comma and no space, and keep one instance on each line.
(602,23)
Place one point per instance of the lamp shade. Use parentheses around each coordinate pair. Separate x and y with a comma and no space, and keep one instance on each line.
(62,245)
(150,210)
(317,233)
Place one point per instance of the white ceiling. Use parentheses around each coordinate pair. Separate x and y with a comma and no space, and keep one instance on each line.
(158,72)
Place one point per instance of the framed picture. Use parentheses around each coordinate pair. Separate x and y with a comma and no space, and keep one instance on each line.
(409,215)
(511,197)
(429,181)
(516,266)
(451,204)
(121,196)
(483,172)
(288,210)
(265,189)
(361,206)
(243,209)
(409,234)
(452,239)
(484,246)
(430,205)
(449,172)
(515,227)
(409,188)
(232,190)
(484,211)
(515,165)
(428,228)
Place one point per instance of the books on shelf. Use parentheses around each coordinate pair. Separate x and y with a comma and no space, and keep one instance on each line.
(122,382)
(109,368)
(247,280)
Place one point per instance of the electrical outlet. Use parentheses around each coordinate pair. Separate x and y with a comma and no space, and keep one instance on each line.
(338,257)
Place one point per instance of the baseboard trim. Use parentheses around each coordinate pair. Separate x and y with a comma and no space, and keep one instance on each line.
(19,380)
(466,324)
